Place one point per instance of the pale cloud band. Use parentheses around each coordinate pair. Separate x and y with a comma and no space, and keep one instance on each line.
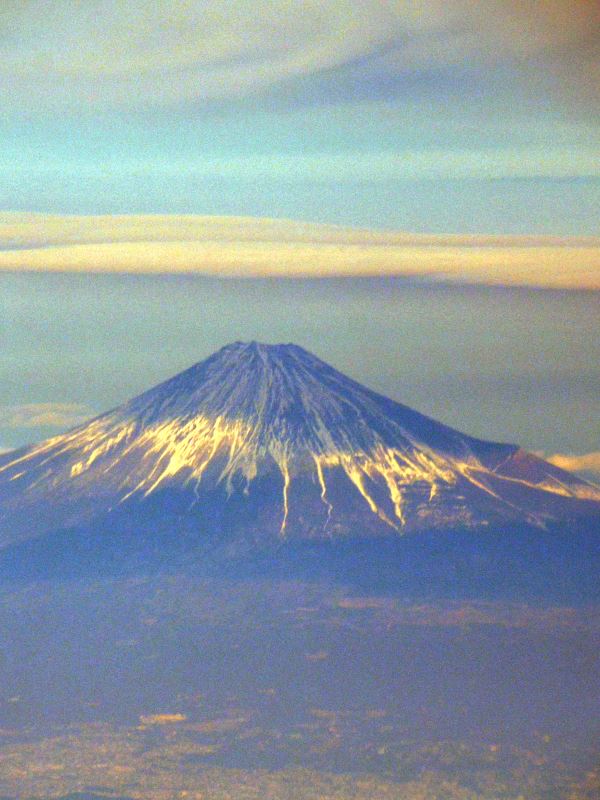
(249,247)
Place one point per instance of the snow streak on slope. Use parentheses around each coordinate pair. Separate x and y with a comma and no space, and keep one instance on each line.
(253,410)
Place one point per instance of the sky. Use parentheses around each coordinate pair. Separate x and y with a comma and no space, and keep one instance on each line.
(449,143)
(445,116)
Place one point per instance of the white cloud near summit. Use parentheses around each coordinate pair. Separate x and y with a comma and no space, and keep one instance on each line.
(42,415)
(588,462)
(112,53)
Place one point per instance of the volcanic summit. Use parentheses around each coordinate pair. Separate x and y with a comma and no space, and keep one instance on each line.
(269,443)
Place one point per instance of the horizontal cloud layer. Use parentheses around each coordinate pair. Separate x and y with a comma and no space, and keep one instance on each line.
(115,52)
(246,246)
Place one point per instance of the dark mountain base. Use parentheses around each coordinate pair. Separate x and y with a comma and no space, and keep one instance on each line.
(513,563)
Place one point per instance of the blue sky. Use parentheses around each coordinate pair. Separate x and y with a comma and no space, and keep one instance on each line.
(441,117)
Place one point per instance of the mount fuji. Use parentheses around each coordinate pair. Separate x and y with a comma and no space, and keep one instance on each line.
(261,445)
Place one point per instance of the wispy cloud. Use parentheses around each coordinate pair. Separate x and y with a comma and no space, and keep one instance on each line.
(102,53)
(261,247)
(368,167)
(588,462)
(42,415)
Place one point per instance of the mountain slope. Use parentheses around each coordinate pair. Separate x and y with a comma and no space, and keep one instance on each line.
(270,443)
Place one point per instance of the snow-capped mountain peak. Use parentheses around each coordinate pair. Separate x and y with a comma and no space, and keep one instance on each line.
(279,427)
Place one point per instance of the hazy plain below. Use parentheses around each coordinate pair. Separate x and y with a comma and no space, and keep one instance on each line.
(156,688)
